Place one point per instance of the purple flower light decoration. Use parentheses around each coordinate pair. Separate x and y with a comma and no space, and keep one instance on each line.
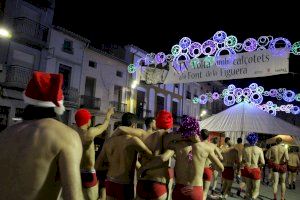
(160,57)
(280,51)
(189,127)
(211,45)
(185,42)
(195,50)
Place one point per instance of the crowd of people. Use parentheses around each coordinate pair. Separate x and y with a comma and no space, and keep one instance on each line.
(42,158)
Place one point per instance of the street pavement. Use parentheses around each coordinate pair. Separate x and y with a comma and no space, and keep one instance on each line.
(266,192)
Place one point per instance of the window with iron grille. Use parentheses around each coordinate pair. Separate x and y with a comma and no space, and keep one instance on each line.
(68,46)
(119,74)
(92,64)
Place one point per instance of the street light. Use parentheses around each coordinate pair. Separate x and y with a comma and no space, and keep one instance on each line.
(4,33)
(134,84)
(203,113)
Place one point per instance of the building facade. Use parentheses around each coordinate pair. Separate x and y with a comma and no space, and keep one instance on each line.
(27,50)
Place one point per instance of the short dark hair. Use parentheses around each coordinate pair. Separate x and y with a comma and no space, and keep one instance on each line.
(278,140)
(227,139)
(215,140)
(128,119)
(239,140)
(117,124)
(148,121)
(204,134)
(35,112)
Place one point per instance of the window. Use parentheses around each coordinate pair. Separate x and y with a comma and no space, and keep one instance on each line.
(176,85)
(68,46)
(188,94)
(92,64)
(119,74)
(66,72)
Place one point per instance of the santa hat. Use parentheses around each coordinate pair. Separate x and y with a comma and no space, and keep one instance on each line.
(82,117)
(164,120)
(45,90)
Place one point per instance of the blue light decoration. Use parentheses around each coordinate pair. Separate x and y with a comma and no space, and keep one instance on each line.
(131,68)
(229,100)
(280,51)
(185,42)
(289,96)
(219,43)
(250,44)
(160,57)
(203,99)
(219,37)
(254,94)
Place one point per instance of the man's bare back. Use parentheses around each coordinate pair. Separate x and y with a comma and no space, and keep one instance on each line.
(252,156)
(294,160)
(37,158)
(279,154)
(230,157)
(121,153)
(195,163)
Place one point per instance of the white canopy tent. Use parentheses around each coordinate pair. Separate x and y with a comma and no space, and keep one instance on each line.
(244,118)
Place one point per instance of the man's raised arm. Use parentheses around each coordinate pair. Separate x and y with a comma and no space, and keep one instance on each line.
(97,130)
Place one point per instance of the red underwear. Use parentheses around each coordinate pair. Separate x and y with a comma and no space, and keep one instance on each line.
(281,168)
(208,174)
(88,178)
(184,192)
(150,189)
(252,173)
(228,173)
(292,169)
(119,191)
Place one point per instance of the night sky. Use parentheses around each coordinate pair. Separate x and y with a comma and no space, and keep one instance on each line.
(155,26)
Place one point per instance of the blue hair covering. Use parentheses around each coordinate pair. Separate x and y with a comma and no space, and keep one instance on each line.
(252,138)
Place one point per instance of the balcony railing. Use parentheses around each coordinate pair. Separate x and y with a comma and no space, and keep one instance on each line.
(119,107)
(17,76)
(90,102)
(71,96)
(27,29)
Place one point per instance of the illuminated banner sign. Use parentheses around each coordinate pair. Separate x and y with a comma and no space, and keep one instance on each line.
(243,65)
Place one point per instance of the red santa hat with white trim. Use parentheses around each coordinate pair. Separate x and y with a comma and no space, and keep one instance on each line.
(45,90)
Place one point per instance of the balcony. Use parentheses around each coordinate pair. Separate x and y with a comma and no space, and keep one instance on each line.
(119,107)
(90,102)
(17,76)
(30,31)
(71,97)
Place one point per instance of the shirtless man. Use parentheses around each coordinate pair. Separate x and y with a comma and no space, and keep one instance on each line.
(269,163)
(87,135)
(120,154)
(40,155)
(239,147)
(192,154)
(293,166)
(279,157)
(216,173)
(154,183)
(252,157)
(230,160)
(150,125)
(208,169)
